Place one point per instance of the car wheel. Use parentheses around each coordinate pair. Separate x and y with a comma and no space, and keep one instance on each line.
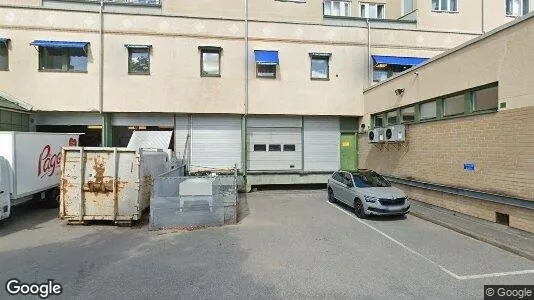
(331,197)
(359,211)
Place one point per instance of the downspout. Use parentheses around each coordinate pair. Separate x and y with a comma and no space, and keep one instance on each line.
(244,149)
(101,75)
(369,58)
(483,29)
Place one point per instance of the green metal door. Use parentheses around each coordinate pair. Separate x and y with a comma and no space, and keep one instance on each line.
(349,153)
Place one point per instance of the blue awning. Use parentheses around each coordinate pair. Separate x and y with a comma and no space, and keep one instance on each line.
(59,44)
(398,60)
(264,57)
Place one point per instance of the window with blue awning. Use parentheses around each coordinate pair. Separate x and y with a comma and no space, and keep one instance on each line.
(62,56)
(398,60)
(265,57)
(59,44)
(385,66)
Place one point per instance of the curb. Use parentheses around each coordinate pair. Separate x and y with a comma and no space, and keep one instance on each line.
(481,238)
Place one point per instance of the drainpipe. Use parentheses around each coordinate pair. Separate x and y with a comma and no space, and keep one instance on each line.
(101,75)
(483,29)
(244,149)
(369,58)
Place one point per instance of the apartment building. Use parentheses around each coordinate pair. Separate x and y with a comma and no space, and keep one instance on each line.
(273,87)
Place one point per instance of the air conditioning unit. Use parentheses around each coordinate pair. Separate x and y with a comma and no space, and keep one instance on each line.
(376,135)
(396,133)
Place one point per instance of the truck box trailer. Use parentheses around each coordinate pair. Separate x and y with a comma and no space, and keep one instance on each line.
(30,166)
(111,184)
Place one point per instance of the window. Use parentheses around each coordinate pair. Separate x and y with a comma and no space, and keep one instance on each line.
(454,105)
(260,147)
(266,71)
(485,99)
(337,8)
(378,120)
(445,5)
(407,6)
(4,58)
(275,148)
(428,110)
(391,117)
(62,59)
(210,61)
(372,10)
(408,114)
(320,66)
(138,59)
(382,72)
(289,148)
(517,7)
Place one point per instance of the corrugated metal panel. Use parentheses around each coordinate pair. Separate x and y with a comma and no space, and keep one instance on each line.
(275,160)
(216,142)
(68,118)
(272,122)
(181,137)
(150,139)
(136,119)
(321,144)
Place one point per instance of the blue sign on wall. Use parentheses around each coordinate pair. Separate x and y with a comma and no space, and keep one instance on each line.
(469,167)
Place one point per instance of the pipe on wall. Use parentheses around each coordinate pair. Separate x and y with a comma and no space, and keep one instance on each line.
(369,58)
(244,150)
(101,74)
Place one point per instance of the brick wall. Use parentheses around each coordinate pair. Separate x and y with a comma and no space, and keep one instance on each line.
(500,144)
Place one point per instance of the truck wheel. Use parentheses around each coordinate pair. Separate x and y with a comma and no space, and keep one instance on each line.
(52,199)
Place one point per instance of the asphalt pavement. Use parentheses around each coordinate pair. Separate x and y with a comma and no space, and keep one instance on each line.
(288,244)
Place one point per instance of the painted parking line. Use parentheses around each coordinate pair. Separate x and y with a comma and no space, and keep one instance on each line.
(445,270)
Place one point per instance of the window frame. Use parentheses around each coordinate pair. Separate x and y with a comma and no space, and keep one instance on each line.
(440,9)
(132,48)
(367,10)
(421,119)
(521,8)
(279,147)
(42,51)
(402,115)
(444,99)
(5,45)
(340,2)
(210,49)
(320,56)
(396,112)
(273,76)
(472,100)
(264,148)
(293,146)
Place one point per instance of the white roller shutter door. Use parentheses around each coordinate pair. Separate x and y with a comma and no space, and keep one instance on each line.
(275,143)
(321,144)
(216,142)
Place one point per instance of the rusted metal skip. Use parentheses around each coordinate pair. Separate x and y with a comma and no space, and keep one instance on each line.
(99,185)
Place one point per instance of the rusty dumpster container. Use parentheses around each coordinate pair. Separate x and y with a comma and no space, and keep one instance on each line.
(112,184)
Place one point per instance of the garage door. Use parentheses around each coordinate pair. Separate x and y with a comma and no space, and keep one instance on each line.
(275,143)
(216,142)
(321,144)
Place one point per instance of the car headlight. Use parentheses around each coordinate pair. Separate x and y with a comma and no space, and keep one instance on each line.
(370,199)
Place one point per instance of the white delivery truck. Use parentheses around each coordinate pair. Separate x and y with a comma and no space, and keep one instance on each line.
(30,167)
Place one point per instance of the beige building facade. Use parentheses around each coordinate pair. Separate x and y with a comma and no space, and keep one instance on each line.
(279,121)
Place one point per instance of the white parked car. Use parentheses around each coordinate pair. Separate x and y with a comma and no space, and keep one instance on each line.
(367,193)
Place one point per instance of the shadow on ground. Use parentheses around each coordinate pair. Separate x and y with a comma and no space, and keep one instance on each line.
(27,216)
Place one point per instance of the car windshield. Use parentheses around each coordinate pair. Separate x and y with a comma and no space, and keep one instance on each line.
(369,179)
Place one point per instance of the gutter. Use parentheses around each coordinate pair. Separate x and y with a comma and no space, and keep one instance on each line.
(244,149)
